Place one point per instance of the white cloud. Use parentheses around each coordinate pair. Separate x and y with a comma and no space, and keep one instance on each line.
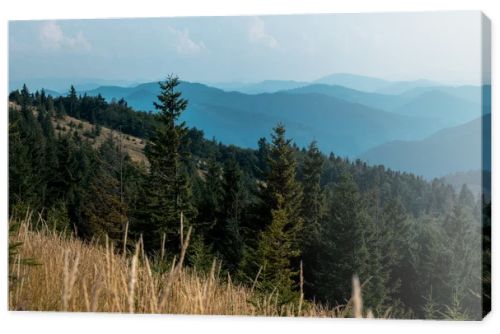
(52,37)
(184,44)
(258,34)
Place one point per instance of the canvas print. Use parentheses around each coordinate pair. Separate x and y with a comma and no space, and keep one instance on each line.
(333,165)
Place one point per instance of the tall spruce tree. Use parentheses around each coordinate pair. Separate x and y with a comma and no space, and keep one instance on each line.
(50,160)
(73,103)
(463,255)
(281,178)
(393,238)
(313,202)
(312,212)
(26,97)
(78,168)
(167,192)
(277,249)
(231,243)
(279,244)
(344,244)
(34,139)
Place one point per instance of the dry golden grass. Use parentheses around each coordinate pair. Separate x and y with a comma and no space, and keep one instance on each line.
(82,277)
(134,146)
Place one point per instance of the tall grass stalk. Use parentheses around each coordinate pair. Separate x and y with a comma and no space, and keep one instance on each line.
(76,276)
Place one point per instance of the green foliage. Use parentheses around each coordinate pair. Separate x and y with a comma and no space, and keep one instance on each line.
(266,209)
(199,255)
(280,182)
(278,247)
(345,243)
(58,219)
(313,199)
(231,241)
(430,308)
(210,201)
(106,210)
(65,179)
(167,189)
(313,212)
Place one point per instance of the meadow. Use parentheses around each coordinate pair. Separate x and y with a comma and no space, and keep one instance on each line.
(53,271)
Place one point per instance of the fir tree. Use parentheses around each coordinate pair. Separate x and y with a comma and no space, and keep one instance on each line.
(73,103)
(313,202)
(278,247)
(231,243)
(26,97)
(77,162)
(167,188)
(312,211)
(50,159)
(35,141)
(281,179)
(463,256)
(344,245)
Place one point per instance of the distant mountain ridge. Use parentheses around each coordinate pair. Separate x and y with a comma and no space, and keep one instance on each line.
(340,126)
(376,100)
(373,85)
(438,104)
(266,86)
(442,106)
(451,150)
(352,81)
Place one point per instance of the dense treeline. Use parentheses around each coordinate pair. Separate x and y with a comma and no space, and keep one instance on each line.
(268,214)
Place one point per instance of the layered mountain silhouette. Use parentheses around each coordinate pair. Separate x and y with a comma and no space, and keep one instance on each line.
(458,149)
(338,125)
(416,126)
(442,105)
(376,100)
(353,81)
(374,85)
(266,86)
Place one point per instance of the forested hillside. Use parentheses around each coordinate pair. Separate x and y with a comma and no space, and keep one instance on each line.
(273,215)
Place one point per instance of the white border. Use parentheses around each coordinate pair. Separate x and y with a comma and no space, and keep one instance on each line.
(84,323)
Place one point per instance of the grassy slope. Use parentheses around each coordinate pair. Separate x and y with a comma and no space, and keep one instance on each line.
(87,277)
(134,146)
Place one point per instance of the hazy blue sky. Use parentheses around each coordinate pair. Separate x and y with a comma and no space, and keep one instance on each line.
(441,46)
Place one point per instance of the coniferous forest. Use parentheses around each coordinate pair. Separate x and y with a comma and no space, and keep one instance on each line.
(293,221)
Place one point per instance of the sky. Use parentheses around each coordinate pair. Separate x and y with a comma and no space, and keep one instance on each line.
(438,46)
